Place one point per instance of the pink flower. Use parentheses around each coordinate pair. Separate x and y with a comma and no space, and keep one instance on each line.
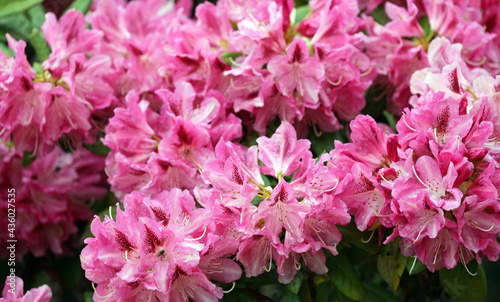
(281,154)
(282,211)
(67,37)
(298,72)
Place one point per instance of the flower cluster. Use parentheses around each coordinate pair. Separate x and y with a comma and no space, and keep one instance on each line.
(169,245)
(51,194)
(61,97)
(435,182)
(401,47)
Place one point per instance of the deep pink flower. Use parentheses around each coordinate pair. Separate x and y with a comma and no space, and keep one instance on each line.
(298,72)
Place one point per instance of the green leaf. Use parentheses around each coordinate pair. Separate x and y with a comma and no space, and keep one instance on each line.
(298,14)
(344,277)
(296,283)
(80,5)
(238,295)
(10,7)
(426,26)
(463,287)
(325,141)
(18,26)
(230,56)
(6,50)
(290,297)
(98,147)
(380,16)
(37,15)
(41,47)
(378,293)
(391,265)
(391,121)
(28,158)
(325,291)
(88,296)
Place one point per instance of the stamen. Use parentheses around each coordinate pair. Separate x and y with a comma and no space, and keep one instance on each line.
(413,167)
(329,190)
(296,263)
(270,262)
(404,121)
(102,297)
(194,239)
(110,215)
(81,258)
(435,256)
(485,230)
(367,72)
(36,146)
(316,132)
(228,291)
(189,257)
(467,269)
(382,175)
(369,239)
(335,84)
(126,256)
(476,64)
(231,82)
(413,265)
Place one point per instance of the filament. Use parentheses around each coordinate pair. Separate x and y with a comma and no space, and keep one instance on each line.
(335,84)
(413,167)
(369,239)
(194,239)
(413,265)
(404,121)
(228,291)
(102,297)
(367,72)
(485,230)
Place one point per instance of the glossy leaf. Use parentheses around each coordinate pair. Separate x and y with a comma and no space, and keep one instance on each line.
(9,7)
(290,297)
(463,287)
(299,14)
(296,283)
(28,158)
(80,5)
(18,26)
(391,265)
(41,47)
(378,293)
(229,57)
(37,15)
(345,278)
